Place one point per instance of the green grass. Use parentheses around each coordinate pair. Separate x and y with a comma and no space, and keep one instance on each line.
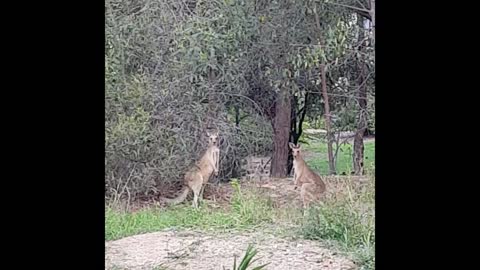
(120,224)
(248,210)
(344,158)
(347,223)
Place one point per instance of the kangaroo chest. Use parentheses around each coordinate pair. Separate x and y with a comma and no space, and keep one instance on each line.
(297,168)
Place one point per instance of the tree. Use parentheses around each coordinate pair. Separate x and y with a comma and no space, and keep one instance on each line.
(358,146)
(323,78)
(281,134)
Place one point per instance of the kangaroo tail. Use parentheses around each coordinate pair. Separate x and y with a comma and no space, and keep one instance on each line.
(180,198)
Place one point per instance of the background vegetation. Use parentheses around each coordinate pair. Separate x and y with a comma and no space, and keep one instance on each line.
(251,69)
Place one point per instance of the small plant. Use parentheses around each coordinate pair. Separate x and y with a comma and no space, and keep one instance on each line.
(247,260)
(235,184)
(159,267)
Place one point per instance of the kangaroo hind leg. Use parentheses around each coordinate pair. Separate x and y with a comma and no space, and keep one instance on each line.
(196,187)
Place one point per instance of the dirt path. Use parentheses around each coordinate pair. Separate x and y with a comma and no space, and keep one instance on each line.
(206,251)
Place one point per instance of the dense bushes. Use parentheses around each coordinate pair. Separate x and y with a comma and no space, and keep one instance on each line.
(174,69)
(160,100)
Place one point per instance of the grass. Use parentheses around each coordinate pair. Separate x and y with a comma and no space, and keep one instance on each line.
(344,158)
(346,221)
(248,210)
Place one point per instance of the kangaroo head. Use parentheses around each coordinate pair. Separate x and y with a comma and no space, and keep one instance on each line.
(212,138)
(295,149)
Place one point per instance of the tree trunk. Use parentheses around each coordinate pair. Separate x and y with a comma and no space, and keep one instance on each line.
(372,15)
(358,150)
(293,132)
(296,129)
(358,146)
(281,134)
(330,137)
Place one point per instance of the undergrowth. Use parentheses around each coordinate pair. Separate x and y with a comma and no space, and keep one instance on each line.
(248,209)
(347,223)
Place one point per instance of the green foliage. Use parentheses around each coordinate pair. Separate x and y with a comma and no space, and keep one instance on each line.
(247,260)
(211,43)
(130,118)
(160,99)
(171,72)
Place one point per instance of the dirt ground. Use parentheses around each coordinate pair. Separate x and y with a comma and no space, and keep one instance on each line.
(206,250)
(191,250)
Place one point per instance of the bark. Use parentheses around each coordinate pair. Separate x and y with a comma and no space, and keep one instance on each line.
(296,128)
(330,137)
(281,135)
(372,16)
(358,146)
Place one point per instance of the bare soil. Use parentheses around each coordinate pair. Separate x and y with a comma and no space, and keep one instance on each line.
(206,251)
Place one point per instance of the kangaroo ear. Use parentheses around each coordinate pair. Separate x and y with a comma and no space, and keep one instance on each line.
(299,146)
(291,145)
(208,134)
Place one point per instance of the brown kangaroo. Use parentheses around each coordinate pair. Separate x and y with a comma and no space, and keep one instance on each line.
(197,177)
(312,188)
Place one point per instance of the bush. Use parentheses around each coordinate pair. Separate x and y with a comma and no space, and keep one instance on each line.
(160,100)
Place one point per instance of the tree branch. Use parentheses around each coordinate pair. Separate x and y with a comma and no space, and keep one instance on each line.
(302,118)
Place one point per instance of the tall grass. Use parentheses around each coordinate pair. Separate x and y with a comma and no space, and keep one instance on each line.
(347,223)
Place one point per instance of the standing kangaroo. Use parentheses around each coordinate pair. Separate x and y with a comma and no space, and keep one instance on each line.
(197,177)
(311,184)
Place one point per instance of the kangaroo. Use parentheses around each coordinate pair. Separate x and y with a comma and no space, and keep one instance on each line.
(311,184)
(197,177)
